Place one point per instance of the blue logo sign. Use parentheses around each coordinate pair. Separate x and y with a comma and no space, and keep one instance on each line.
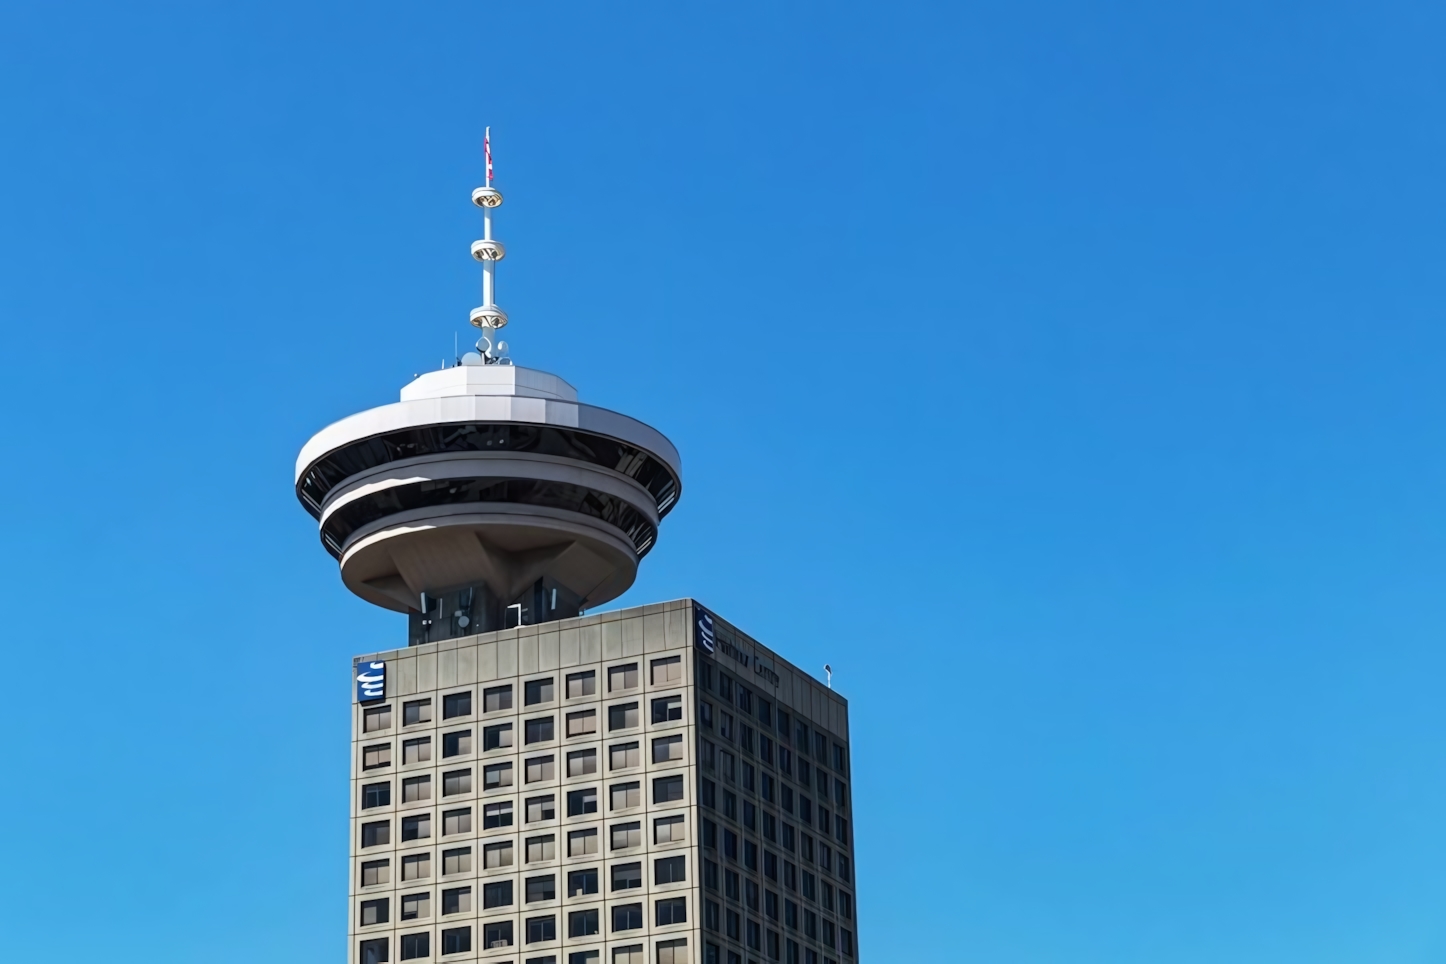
(371,681)
(703,630)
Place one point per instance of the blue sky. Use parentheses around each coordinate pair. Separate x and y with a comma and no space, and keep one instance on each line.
(1068,376)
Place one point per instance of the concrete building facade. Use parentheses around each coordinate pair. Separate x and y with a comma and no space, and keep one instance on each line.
(646,785)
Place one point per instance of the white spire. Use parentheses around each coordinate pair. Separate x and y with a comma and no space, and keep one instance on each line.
(488,316)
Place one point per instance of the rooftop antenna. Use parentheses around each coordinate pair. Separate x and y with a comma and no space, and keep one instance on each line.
(829,670)
(488,316)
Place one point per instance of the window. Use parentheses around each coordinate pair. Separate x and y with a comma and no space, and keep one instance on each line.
(705,715)
(709,793)
(627,917)
(770,904)
(745,737)
(785,759)
(456,821)
(539,730)
(375,872)
(730,844)
(765,748)
(496,894)
(790,876)
(497,698)
(458,900)
(374,951)
(726,765)
(417,867)
(377,834)
(377,755)
(845,904)
(803,772)
(730,805)
(710,834)
(537,691)
(783,722)
(497,775)
(734,924)
(822,776)
(825,856)
(416,906)
(417,751)
(843,867)
(457,704)
(745,699)
(541,929)
(624,755)
(417,828)
(810,886)
(456,781)
(459,861)
(622,677)
(580,802)
(540,808)
(772,944)
(667,709)
(800,737)
(376,795)
(725,726)
(625,795)
(725,687)
(541,888)
(846,941)
(629,954)
(582,923)
(497,855)
(750,815)
(667,671)
(497,737)
(670,870)
(540,768)
(820,747)
(582,957)
(627,876)
(810,924)
(770,865)
(623,716)
(580,843)
(582,722)
(581,684)
(495,934)
(840,794)
(750,855)
(374,911)
(765,712)
(668,749)
(581,762)
(827,896)
(671,910)
(750,894)
(541,848)
(376,718)
(765,787)
(416,711)
(667,789)
(497,815)
(755,939)
(770,827)
(417,789)
(710,875)
(582,882)
(669,830)
(790,914)
(673,952)
(805,809)
(456,743)
(416,945)
(711,913)
(626,835)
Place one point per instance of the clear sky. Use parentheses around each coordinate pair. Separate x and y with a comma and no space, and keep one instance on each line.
(1069,376)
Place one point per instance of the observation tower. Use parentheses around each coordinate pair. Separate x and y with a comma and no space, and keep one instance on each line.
(488,496)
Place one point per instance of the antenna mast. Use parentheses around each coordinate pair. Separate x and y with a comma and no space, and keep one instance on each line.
(488,316)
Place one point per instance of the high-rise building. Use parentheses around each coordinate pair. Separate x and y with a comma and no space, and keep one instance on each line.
(533,781)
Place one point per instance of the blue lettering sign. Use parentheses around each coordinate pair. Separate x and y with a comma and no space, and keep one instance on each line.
(371,681)
(703,630)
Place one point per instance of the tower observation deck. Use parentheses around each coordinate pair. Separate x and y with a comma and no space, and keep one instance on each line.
(488,496)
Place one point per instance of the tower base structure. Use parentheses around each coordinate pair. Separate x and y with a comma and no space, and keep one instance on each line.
(630,787)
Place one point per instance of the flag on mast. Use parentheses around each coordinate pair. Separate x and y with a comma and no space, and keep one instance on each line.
(487,150)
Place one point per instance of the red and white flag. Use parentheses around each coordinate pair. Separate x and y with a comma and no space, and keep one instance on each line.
(487,150)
